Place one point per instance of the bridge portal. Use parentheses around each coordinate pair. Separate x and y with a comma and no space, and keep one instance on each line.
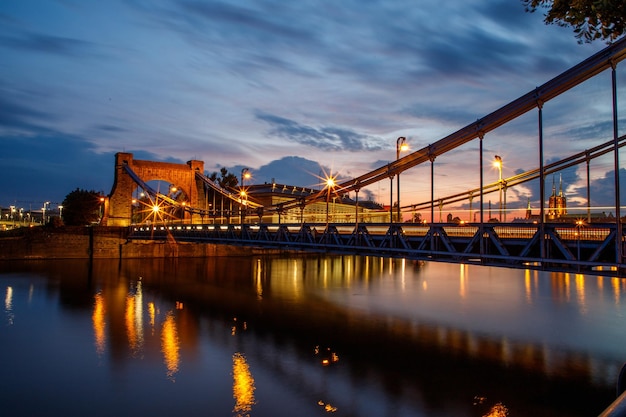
(183,176)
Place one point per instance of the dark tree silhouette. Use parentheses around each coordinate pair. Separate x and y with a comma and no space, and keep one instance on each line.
(591,19)
(82,207)
(226,179)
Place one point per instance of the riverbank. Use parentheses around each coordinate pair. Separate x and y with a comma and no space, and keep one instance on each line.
(100,242)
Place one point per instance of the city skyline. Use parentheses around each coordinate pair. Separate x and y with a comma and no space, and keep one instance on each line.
(286,91)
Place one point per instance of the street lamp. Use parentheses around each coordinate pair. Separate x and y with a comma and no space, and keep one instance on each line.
(43,211)
(245,174)
(498,164)
(579,225)
(330,183)
(101,210)
(401,146)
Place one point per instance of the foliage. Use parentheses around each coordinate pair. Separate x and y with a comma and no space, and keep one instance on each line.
(82,207)
(591,19)
(226,179)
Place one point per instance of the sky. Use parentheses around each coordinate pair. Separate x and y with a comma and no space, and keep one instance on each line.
(287,89)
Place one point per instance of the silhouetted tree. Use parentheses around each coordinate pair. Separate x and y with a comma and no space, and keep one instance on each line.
(226,179)
(81,207)
(591,19)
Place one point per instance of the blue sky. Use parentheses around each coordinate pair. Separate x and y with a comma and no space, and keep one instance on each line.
(284,88)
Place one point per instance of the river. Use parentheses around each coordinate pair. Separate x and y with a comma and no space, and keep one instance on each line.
(306,336)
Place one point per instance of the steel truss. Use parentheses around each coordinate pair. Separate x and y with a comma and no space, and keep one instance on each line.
(569,247)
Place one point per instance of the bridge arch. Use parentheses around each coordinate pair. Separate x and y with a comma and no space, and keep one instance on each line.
(183,176)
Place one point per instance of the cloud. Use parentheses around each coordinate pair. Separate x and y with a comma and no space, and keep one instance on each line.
(603,189)
(48,44)
(110,128)
(48,165)
(16,115)
(325,138)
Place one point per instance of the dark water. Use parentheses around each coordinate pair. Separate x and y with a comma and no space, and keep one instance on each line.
(346,336)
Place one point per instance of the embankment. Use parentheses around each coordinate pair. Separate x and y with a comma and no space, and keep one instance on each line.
(102,243)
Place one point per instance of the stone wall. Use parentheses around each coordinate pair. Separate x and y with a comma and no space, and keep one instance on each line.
(103,243)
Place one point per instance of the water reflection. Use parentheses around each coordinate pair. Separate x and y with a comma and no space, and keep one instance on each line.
(99,323)
(547,332)
(362,297)
(413,338)
(8,305)
(243,386)
(130,300)
(170,345)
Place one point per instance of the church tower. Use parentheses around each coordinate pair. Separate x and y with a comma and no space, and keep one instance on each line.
(557,205)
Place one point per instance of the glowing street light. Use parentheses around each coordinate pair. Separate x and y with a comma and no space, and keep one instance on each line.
(245,175)
(579,224)
(498,164)
(401,146)
(43,211)
(330,184)
(101,209)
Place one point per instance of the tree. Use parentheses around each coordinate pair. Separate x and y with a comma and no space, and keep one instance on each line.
(226,180)
(591,19)
(82,207)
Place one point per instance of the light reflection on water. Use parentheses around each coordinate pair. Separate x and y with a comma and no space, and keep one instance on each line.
(99,323)
(8,305)
(170,345)
(243,386)
(413,338)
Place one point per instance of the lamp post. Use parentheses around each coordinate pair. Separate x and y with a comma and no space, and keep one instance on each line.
(330,183)
(579,225)
(43,211)
(498,164)
(401,146)
(245,174)
(101,210)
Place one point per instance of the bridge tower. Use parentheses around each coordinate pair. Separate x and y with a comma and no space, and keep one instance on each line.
(183,176)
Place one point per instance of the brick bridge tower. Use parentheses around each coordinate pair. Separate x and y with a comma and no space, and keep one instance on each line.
(118,210)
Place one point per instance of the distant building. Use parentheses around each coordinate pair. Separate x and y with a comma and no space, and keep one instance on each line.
(340,208)
(557,205)
(529,211)
(557,211)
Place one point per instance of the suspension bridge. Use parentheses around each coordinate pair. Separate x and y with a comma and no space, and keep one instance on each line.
(199,209)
